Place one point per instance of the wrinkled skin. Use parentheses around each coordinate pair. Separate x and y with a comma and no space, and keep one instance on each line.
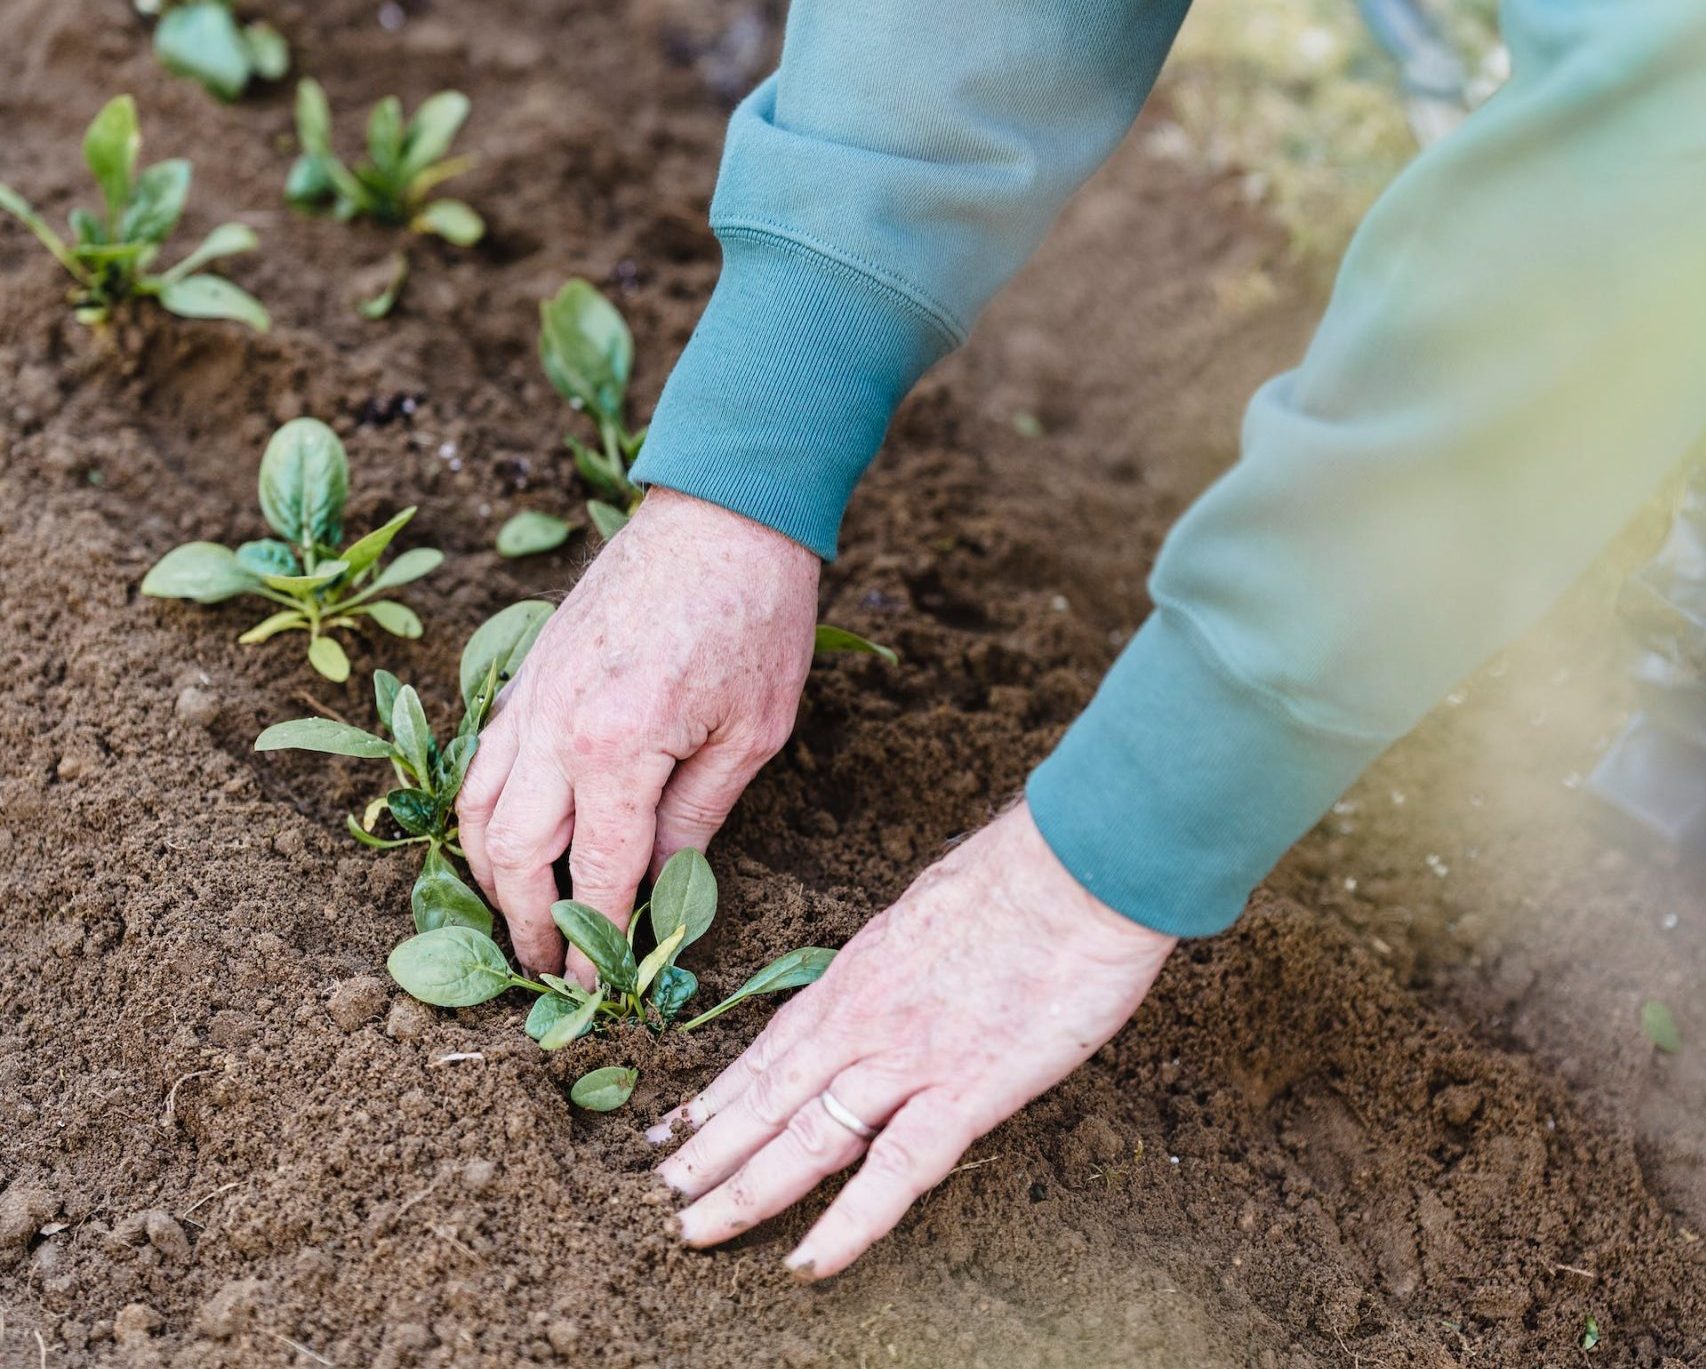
(991,979)
(652,697)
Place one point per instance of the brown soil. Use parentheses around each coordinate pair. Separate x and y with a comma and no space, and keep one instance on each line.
(1406,1123)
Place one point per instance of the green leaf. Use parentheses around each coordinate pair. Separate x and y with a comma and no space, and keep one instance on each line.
(269,54)
(323,734)
(299,585)
(1590,1333)
(364,551)
(451,220)
(22,210)
(213,297)
(531,532)
(385,688)
(414,737)
(313,118)
(329,658)
(790,971)
(201,40)
(830,639)
(586,349)
(269,556)
(406,569)
(158,202)
(596,937)
(415,811)
(310,181)
(385,135)
(441,899)
(502,640)
(605,475)
(604,1090)
(671,991)
(450,967)
(380,305)
(285,620)
(684,899)
(432,130)
(571,1025)
(551,1008)
(304,483)
(110,147)
(452,767)
(225,241)
(398,619)
(607,518)
(203,571)
(1659,1024)
(660,957)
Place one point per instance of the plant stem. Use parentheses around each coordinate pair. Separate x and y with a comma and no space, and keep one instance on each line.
(520,982)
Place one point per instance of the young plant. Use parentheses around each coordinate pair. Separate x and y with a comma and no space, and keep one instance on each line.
(460,966)
(404,164)
(202,39)
(588,355)
(429,776)
(111,252)
(830,640)
(303,486)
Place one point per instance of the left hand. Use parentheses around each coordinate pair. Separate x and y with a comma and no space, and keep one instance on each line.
(991,979)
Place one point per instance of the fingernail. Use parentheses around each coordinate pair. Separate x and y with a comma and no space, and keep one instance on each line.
(802,1266)
(660,1134)
(671,1172)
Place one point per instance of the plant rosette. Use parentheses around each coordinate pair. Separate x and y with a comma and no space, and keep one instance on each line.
(205,41)
(319,588)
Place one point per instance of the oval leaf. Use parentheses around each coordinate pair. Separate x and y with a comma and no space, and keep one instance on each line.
(157,202)
(604,1090)
(110,148)
(225,241)
(201,40)
(672,990)
(450,967)
(323,734)
(596,937)
(269,54)
(607,518)
(684,899)
(452,767)
(413,736)
(440,899)
(586,349)
(548,1010)
(385,688)
(327,657)
(214,297)
(305,482)
(830,639)
(269,556)
(364,551)
(504,639)
(1659,1024)
(790,971)
(398,619)
(571,1025)
(414,811)
(531,532)
(451,220)
(431,131)
(203,571)
(410,566)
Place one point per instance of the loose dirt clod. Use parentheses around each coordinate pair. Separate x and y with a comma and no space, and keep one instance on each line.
(357,1001)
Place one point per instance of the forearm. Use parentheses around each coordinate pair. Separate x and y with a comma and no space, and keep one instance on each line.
(1512,361)
(875,193)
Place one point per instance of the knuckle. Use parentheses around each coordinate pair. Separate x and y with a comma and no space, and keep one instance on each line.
(695,810)
(508,849)
(809,1133)
(892,1157)
(767,1100)
(598,867)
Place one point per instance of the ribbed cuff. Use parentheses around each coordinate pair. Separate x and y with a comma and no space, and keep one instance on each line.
(1180,787)
(785,389)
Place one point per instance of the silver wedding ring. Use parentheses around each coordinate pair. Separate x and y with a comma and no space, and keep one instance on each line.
(845,1115)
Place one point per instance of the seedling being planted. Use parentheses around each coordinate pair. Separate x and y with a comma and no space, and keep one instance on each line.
(204,40)
(404,163)
(111,252)
(429,776)
(303,487)
(459,966)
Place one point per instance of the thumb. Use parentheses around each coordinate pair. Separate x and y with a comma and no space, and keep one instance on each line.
(699,795)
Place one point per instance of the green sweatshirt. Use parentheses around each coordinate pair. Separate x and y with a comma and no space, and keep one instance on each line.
(1513,358)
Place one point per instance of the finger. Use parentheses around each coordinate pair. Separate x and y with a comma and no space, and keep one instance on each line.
(529,830)
(735,1134)
(911,1155)
(478,798)
(796,1018)
(814,1145)
(615,818)
(699,795)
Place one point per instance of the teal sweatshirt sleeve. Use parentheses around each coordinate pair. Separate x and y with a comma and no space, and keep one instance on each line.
(1512,360)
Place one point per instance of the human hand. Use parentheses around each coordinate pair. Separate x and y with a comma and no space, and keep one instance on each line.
(669,675)
(991,979)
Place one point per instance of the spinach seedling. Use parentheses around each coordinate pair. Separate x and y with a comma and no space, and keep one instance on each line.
(429,776)
(204,40)
(588,355)
(530,532)
(456,970)
(404,164)
(831,639)
(111,252)
(303,486)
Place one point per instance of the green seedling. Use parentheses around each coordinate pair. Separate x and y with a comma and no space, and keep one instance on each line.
(531,532)
(1590,1333)
(460,966)
(588,355)
(404,164)
(429,776)
(830,640)
(304,483)
(204,40)
(110,253)
(1658,1024)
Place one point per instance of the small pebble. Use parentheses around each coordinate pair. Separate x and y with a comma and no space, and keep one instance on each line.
(134,1322)
(564,1335)
(197,706)
(357,1001)
(408,1020)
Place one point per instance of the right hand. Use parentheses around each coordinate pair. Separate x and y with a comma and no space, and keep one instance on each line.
(669,675)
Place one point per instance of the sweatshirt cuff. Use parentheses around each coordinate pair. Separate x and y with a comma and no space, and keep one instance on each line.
(785,389)
(1181,786)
